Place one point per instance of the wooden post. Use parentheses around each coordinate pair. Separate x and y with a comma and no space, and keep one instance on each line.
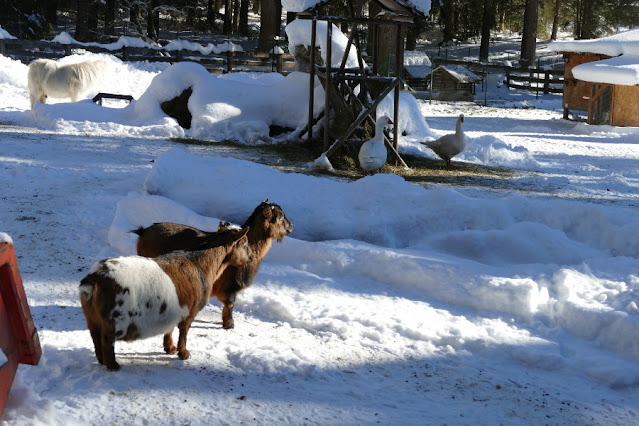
(399,62)
(329,40)
(2,47)
(125,54)
(547,82)
(279,62)
(229,60)
(311,97)
(178,55)
(67,50)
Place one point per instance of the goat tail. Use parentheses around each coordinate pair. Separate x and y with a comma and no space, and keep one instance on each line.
(138,231)
(86,289)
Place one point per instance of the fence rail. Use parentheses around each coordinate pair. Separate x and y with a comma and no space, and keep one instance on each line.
(26,51)
(535,79)
(531,79)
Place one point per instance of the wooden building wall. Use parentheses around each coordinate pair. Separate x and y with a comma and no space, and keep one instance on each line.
(577,92)
(625,106)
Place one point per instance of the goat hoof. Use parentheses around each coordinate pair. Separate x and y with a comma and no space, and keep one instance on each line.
(228,325)
(170,350)
(114,366)
(184,354)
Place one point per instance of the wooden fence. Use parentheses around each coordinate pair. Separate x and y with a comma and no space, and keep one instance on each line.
(535,80)
(26,51)
(531,79)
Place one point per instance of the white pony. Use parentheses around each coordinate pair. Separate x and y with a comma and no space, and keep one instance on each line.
(48,79)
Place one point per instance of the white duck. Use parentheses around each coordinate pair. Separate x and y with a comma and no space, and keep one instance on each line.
(449,145)
(372,154)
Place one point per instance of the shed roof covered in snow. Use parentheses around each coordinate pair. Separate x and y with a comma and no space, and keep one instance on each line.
(624,43)
(622,70)
(459,73)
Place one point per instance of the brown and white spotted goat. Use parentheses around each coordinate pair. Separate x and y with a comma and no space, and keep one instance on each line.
(267,223)
(133,297)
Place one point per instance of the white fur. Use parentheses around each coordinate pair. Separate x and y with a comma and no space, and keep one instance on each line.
(48,79)
(148,288)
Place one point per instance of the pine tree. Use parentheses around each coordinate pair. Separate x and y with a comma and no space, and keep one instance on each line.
(529,36)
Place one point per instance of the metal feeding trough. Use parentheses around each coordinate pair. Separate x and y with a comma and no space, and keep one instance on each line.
(98,98)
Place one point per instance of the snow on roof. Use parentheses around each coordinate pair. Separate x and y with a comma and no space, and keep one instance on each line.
(416,57)
(417,71)
(417,63)
(303,5)
(622,70)
(4,34)
(626,42)
(460,73)
(5,238)
(299,33)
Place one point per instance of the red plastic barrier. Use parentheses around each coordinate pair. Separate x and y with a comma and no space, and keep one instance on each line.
(18,336)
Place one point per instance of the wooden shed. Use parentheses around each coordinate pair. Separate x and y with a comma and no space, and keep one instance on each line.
(454,83)
(601,78)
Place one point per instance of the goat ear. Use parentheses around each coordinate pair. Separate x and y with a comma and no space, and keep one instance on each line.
(265,201)
(267,212)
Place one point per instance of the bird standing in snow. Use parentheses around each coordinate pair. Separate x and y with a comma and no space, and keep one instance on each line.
(449,145)
(372,154)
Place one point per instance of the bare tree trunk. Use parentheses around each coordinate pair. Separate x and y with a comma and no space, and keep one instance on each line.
(529,38)
(448,19)
(243,29)
(153,21)
(92,21)
(212,9)
(227,17)
(269,24)
(135,13)
(191,14)
(577,18)
(51,11)
(588,22)
(109,17)
(486,25)
(555,20)
(82,20)
(256,6)
(412,33)
(236,16)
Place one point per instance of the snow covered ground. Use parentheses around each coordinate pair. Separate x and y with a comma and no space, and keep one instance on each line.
(389,303)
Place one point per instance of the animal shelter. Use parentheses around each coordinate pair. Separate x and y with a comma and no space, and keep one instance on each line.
(601,79)
(353,93)
(454,83)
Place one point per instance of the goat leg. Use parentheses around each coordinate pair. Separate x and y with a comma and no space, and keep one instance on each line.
(97,342)
(108,352)
(227,312)
(184,326)
(169,347)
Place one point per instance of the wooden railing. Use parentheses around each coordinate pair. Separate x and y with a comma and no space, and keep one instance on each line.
(26,51)
(531,79)
(535,80)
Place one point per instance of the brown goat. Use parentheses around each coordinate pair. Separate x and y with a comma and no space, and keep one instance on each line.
(133,297)
(165,237)
(267,223)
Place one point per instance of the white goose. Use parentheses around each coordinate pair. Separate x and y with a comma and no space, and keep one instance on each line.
(449,145)
(372,154)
